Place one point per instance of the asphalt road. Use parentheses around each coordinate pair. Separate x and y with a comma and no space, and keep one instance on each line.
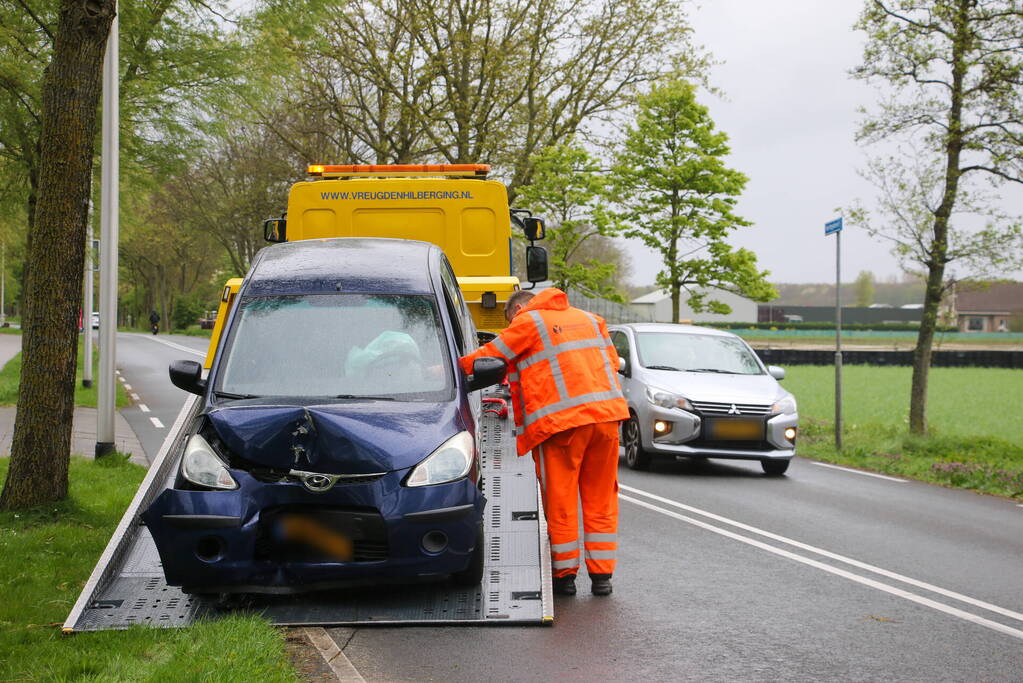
(726,574)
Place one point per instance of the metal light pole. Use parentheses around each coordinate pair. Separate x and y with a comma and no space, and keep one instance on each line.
(87,308)
(109,207)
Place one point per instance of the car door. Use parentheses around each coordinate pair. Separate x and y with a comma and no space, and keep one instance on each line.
(623,345)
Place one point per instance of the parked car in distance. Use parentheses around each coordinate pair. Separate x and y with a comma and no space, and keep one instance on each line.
(701,393)
(338,439)
(95,320)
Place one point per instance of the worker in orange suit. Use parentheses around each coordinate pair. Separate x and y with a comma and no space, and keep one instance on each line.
(563,372)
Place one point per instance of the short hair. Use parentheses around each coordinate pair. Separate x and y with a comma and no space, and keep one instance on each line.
(519,296)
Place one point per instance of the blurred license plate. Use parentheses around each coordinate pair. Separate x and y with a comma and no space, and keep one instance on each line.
(734,429)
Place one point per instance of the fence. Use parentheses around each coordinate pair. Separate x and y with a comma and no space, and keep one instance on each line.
(941,359)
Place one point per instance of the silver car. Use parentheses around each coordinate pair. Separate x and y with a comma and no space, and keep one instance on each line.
(700,392)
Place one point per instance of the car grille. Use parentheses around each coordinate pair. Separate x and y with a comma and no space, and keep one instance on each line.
(714,408)
(730,445)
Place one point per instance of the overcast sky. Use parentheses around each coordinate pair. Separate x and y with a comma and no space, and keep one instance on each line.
(790,112)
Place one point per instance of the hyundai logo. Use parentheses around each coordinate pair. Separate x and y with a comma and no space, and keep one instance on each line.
(316,482)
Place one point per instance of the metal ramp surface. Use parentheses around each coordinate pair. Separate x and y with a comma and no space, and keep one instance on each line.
(127,586)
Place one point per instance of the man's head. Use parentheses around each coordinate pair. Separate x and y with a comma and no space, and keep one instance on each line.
(516,301)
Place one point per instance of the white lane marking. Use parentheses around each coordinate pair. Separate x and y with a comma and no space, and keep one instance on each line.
(143,407)
(127,387)
(134,397)
(833,556)
(120,377)
(156,422)
(865,474)
(892,590)
(171,344)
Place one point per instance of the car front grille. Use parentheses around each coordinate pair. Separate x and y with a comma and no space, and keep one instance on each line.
(714,408)
(730,445)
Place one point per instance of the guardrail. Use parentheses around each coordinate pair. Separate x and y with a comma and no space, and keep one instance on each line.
(946,359)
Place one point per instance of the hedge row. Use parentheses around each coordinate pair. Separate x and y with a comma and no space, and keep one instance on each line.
(881,327)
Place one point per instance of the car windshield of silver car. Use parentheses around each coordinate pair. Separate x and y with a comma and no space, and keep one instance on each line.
(696,353)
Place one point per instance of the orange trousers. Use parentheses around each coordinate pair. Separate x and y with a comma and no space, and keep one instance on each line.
(581,463)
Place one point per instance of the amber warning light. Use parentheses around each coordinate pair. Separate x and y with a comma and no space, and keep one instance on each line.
(327,170)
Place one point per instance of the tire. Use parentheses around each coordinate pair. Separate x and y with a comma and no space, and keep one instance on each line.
(635,457)
(473,574)
(774,468)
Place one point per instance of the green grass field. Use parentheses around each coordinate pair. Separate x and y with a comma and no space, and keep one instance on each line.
(975,437)
(10,380)
(46,556)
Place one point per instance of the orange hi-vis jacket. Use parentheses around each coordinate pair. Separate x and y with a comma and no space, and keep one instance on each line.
(562,368)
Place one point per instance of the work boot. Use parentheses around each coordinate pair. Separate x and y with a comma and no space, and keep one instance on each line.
(564,585)
(601,584)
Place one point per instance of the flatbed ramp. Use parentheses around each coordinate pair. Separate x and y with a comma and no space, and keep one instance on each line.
(127,586)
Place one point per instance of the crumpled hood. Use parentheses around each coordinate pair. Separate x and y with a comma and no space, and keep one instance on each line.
(348,438)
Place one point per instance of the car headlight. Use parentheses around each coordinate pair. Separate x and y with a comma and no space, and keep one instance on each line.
(201,466)
(666,399)
(786,405)
(451,461)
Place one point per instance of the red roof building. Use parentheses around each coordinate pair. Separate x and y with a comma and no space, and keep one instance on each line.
(988,307)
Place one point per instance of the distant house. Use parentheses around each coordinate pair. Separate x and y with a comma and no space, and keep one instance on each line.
(987,309)
(656,306)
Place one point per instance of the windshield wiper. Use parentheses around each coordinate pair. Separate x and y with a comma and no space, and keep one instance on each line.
(662,367)
(366,398)
(722,372)
(228,394)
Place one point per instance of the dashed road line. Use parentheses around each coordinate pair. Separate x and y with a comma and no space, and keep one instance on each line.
(156,422)
(143,407)
(865,474)
(135,397)
(127,387)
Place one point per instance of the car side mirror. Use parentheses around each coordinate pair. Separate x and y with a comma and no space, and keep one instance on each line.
(275,229)
(623,365)
(536,264)
(187,375)
(486,372)
(534,228)
(776,372)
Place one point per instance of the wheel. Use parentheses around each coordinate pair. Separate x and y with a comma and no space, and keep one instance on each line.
(473,574)
(635,457)
(774,468)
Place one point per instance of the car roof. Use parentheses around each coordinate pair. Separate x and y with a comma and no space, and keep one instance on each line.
(673,328)
(340,264)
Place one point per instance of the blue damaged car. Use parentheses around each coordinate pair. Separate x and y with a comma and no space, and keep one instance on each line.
(337,442)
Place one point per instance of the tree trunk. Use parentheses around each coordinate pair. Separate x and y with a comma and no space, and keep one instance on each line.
(41,444)
(922,352)
(675,296)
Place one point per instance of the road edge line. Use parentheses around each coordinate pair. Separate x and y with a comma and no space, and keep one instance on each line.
(333,655)
(855,471)
(856,578)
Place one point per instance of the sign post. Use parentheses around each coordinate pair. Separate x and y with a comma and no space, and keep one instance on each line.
(835,227)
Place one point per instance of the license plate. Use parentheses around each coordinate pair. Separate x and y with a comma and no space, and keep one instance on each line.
(734,429)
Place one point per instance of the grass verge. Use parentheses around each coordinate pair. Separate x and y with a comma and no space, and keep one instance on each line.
(46,555)
(974,430)
(10,380)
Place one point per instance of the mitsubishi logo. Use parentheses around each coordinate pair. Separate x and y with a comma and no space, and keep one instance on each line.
(734,411)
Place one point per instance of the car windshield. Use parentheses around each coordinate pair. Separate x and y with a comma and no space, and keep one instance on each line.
(696,353)
(340,346)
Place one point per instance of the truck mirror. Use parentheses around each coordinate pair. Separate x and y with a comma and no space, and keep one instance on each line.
(187,375)
(536,264)
(534,228)
(275,230)
(486,372)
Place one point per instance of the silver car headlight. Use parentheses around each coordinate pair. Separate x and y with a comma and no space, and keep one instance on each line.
(450,462)
(785,406)
(666,399)
(202,466)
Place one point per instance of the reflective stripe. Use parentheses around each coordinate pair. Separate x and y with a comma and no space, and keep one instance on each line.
(513,377)
(600,554)
(545,339)
(601,538)
(565,564)
(564,547)
(546,354)
(503,348)
(532,417)
(607,358)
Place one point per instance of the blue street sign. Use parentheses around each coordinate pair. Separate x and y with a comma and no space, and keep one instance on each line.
(832,226)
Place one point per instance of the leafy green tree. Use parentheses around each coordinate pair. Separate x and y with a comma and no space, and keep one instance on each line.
(953,73)
(41,442)
(864,288)
(569,191)
(678,197)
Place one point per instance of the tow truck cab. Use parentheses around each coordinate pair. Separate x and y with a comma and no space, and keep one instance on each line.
(352,455)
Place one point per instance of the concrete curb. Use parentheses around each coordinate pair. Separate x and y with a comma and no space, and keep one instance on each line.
(332,654)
